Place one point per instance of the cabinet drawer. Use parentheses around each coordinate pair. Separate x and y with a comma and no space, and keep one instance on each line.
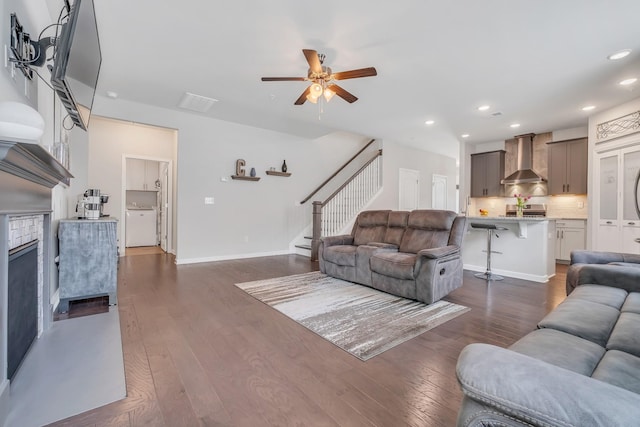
(570,223)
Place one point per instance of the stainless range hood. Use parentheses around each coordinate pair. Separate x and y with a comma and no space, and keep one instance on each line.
(525,174)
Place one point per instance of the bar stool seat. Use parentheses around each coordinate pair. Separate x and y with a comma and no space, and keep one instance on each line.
(491,230)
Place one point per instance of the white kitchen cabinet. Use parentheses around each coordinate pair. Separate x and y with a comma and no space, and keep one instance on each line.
(570,236)
(142,175)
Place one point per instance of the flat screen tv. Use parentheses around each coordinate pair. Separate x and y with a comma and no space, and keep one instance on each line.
(76,62)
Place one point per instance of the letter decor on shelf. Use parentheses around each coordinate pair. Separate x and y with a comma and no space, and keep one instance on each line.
(240,172)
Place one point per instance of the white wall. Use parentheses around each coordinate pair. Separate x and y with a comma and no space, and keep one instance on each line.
(259,218)
(109,141)
(397,156)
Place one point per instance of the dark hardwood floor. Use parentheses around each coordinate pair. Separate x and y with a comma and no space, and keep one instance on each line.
(200,352)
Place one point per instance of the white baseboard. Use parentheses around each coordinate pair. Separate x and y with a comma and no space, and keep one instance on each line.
(507,273)
(229,257)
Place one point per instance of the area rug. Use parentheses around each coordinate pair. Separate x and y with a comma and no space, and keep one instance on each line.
(358,319)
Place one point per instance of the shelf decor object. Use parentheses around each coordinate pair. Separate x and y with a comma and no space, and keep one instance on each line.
(240,172)
(276,173)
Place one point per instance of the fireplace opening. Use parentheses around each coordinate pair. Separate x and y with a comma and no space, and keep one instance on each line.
(22,310)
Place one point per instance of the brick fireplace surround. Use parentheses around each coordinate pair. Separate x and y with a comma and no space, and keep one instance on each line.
(27,175)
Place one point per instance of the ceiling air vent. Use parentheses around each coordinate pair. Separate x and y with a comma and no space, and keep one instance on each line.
(193,102)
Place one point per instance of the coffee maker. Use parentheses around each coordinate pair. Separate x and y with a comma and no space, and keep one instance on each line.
(91,203)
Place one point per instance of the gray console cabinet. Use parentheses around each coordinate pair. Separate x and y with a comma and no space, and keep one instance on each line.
(88,265)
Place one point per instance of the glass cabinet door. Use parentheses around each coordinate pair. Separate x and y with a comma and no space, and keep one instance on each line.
(609,188)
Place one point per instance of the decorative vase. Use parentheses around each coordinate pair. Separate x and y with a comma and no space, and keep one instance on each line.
(284,166)
(519,211)
(252,172)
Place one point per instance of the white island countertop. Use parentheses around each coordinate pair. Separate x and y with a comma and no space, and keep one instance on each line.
(525,250)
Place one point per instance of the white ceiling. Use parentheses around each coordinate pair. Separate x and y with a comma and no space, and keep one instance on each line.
(536,62)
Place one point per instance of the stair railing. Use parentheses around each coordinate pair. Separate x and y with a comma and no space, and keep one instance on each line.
(326,181)
(331,215)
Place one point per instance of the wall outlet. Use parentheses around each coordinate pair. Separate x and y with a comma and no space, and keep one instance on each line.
(246,239)
(580,204)
(223,179)
(208,200)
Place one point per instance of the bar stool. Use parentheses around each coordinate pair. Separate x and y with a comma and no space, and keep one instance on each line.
(491,230)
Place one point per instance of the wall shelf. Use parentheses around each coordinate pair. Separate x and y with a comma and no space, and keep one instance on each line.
(246,178)
(276,173)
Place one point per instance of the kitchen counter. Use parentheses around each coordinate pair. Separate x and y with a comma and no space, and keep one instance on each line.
(526,250)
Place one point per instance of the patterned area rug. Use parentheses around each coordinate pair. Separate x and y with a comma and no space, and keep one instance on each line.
(361,320)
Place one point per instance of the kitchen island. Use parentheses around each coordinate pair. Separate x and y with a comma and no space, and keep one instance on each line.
(526,250)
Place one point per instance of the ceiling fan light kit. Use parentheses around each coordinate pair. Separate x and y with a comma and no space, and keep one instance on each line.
(322,80)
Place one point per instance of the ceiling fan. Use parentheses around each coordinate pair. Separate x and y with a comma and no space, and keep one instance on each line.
(322,79)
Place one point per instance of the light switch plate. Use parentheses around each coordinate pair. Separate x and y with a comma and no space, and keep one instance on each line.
(208,200)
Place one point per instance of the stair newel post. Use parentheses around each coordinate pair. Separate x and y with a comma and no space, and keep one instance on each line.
(317,230)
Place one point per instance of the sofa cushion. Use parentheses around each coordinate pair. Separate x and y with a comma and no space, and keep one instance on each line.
(427,229)
(632,303)
(606,295)
(561,349)
(619,369)
(370,227)
(626,334)
(589,320)
(341,255)
(394,264)
(396,227)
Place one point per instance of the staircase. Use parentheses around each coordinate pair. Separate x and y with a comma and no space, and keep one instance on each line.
(336,214)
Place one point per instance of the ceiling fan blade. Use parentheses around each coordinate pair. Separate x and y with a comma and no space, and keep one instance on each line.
(283,79)
(313,60)
(303,97)
(354,74)
(350,98)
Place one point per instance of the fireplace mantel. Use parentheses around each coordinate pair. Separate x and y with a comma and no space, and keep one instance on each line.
(33,163)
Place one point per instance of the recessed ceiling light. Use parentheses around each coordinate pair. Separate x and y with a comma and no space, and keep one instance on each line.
(429,122)
(619,54)
(515,125)
(465,135)
(484,107)
(111,94)
(628,82)
(588,108)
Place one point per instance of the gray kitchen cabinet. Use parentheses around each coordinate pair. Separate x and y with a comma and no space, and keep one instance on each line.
(570,235)
(142,174)
(487,170)
(567,163)
(88,260)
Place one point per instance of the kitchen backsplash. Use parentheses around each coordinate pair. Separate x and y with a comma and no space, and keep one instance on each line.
(557,206)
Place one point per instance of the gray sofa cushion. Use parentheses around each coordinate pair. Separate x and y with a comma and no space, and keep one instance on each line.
(606,295)
(427,229)
(370,227)
(632,304)
(585,319)
(396,227)
(561,349)
(341,255)
(626,334)
(394,264)
(620,369)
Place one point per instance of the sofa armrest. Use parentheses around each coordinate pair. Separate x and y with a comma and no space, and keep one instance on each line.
(345,239)
(618,276)
(441,252)
(538,393)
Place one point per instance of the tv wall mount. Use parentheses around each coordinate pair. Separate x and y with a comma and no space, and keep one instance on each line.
(28,52)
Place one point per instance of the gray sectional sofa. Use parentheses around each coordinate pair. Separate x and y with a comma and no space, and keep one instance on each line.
(581,367)
(413,254)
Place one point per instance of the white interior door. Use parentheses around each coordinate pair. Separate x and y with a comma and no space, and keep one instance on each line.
(164,205)
(409,183)
(438,192)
